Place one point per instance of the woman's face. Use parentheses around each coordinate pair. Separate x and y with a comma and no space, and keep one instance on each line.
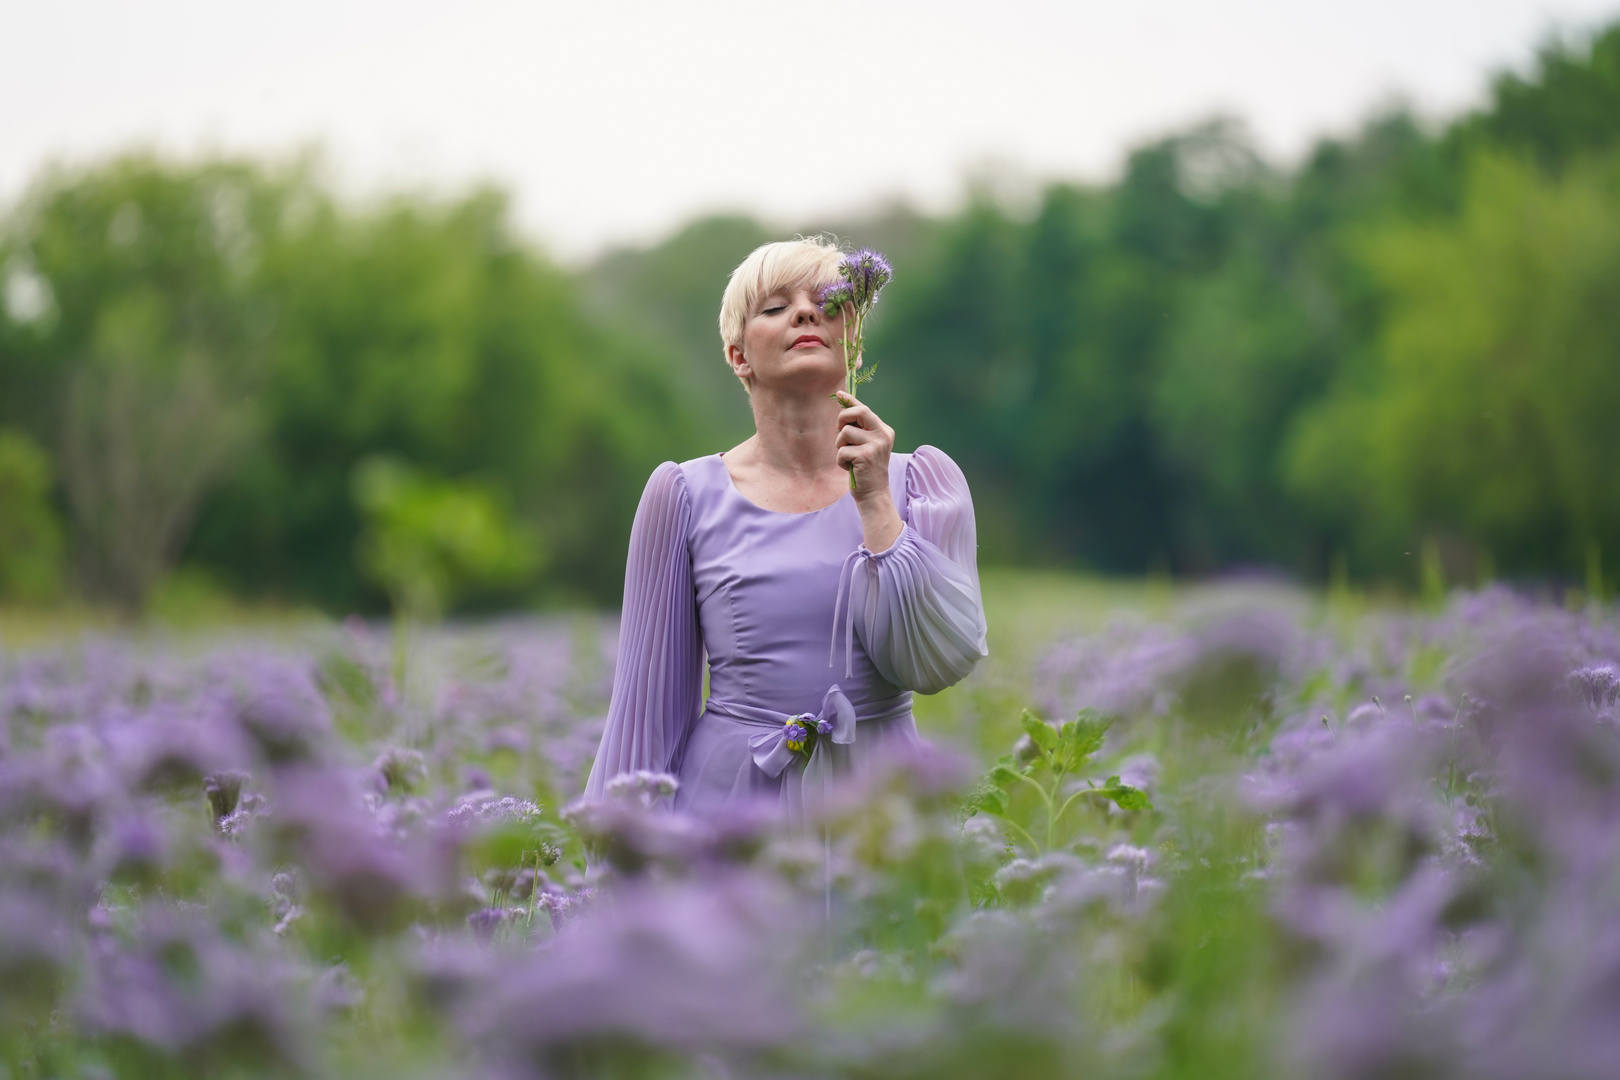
(788,340)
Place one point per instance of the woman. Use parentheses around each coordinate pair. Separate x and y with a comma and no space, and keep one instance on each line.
(813,597)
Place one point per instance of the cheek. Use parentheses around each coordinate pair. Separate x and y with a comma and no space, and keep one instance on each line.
(758,339)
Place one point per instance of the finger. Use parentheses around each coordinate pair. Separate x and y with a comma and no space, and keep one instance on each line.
(856,436)
(882,435)
(857,413)
(860,416)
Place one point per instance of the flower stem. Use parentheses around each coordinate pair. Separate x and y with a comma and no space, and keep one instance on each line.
(852,357)
(1035,848)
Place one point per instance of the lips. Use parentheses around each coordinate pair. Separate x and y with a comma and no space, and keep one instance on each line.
(807,339)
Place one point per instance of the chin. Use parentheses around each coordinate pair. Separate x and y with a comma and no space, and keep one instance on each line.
(819,375)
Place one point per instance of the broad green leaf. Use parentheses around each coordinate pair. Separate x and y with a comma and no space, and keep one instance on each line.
(1044,735)
(988,798)
(1081,738)
(1004,775)
(1127,797)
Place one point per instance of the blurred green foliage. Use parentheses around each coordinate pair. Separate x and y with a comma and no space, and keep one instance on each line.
(1488,409)
(209,352)
(425,541)
(30,534)
(1399,346)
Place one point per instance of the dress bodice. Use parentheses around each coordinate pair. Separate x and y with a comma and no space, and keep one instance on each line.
(792,611)
(766,586)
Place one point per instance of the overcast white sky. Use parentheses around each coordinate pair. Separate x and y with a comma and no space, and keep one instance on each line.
(613,120)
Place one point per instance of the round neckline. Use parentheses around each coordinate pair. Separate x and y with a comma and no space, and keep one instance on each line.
(732,485)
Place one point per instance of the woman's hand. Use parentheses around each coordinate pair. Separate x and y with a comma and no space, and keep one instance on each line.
(864,445)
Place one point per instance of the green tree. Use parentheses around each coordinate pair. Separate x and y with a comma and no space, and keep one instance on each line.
(427,332)
(208,350)
(1031,350)
(148,338)
(668,295)
(1566,108)
(1487,417)
(1250,343)
(30,535)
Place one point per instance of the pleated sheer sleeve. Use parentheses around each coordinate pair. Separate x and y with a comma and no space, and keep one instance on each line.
(658,683)
(918,610)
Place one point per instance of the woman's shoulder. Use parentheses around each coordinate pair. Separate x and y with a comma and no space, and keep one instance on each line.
(684,475)
(665,492)
(932,473)
(704,476)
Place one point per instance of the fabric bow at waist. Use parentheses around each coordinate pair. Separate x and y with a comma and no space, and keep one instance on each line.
(770,749)
(770,745)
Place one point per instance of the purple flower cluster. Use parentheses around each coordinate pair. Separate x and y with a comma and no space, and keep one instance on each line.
(484,808)
(180,832)
(1376,844)
(643,786)
(834,295)
(861,278)
(867,272)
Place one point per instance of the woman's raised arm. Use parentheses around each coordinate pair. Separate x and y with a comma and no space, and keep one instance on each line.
(918,609)
(658,682)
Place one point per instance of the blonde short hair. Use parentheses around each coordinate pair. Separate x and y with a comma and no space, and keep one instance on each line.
(803,262)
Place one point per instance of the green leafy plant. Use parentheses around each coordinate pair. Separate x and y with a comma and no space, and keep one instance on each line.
(1044,761)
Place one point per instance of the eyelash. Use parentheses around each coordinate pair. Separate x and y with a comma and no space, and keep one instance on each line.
(774,309)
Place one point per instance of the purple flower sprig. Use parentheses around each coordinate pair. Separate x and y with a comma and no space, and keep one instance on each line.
(862,276)
(802,730)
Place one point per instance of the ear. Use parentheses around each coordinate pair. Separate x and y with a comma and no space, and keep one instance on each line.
(739,362)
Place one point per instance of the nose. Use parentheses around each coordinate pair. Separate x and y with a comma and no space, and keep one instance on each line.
(806,310)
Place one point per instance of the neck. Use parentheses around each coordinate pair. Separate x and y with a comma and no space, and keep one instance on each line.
(795,433)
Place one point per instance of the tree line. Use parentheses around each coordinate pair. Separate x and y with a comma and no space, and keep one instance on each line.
(1399,352)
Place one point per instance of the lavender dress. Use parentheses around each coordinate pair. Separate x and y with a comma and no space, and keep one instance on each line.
(797,618)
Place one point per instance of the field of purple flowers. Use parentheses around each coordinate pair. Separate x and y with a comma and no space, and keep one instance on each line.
(1249,834)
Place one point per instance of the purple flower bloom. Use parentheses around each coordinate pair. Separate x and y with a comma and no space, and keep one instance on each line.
(867,272)
(224,791)
(1598,684)
(643,786)
(486,921)
(338,990)
(399,769)
(279,706)
(181,987)
(692,966)
(136,844)
(482,808)
(834,295)
(34,952)
(370,874)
